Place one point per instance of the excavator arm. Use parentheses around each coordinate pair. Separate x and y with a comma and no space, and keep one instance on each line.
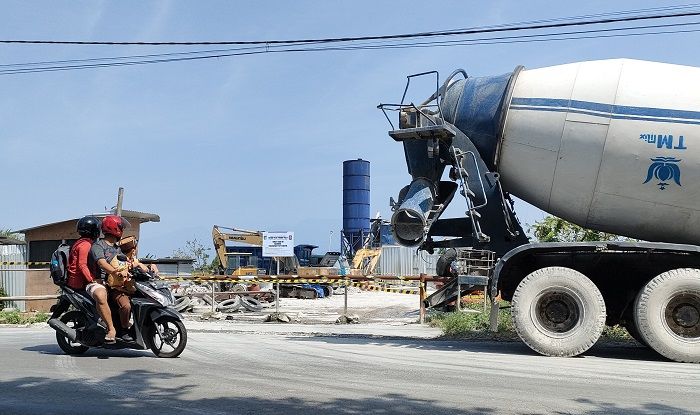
(366,259)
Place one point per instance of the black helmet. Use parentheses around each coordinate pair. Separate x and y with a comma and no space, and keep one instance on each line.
(89,227)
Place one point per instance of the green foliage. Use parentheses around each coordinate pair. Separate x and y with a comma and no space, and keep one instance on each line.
(617,334)
(10,317)
(2,294)
(41,318)
(15,317)
(554,229)
(195,250)
(476,325)
(470,324)
(8,233)
(215,264)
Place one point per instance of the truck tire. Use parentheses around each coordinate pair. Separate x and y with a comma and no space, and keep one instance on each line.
(667,313)
(631,324)
(251,304)
(558,311)
(229,306)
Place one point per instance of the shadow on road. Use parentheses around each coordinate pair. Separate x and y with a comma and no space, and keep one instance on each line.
(160,392)
(53,349)
(606,408)
(138,391)
(625,351)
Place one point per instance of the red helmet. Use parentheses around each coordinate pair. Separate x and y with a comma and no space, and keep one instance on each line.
(114,225)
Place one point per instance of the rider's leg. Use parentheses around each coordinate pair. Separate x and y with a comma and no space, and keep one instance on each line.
(99,294)
(124,304)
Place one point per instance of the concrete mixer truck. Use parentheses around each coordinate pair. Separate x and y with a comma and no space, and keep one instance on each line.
(608,145)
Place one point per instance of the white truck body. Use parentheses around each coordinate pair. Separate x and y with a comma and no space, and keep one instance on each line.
(611,145)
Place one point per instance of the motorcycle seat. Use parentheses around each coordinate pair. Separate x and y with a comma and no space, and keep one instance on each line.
(81,293)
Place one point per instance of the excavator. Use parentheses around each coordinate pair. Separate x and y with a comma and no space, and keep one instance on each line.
(288,265)
(366,260)
(254,238)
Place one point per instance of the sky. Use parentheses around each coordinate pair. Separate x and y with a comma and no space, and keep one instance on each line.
(254,142)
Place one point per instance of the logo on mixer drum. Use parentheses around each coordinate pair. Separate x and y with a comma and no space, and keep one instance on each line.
(664,169)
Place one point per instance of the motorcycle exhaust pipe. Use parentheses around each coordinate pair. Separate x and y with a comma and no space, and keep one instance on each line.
(410,220)
(60,326)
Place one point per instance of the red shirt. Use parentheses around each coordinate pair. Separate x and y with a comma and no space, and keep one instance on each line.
(79,274)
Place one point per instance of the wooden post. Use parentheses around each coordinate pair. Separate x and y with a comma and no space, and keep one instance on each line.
(421,291)
(277,299)
(213,300)
(345,299)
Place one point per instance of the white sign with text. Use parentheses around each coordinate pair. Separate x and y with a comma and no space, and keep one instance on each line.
(278,244)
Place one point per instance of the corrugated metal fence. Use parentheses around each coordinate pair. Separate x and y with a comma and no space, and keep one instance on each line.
(174,269)
(12,281)
(404,261)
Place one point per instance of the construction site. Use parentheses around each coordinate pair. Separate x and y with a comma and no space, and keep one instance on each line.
(345,208)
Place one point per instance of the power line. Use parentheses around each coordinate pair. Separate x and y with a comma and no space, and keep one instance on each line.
(471,31)
(464,42)
(597,15)
(261,49)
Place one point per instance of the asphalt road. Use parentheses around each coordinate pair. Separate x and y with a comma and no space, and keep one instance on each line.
(254,373)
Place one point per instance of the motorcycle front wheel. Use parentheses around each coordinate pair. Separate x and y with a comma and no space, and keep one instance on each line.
(173,340)
(75,320)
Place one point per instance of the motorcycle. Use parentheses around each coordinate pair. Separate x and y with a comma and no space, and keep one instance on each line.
(157,326)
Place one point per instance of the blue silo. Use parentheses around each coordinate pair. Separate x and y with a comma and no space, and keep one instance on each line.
(355,203)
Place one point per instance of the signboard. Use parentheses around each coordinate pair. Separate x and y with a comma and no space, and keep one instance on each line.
(278,244)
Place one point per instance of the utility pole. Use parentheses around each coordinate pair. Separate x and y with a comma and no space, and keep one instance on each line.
(120,199)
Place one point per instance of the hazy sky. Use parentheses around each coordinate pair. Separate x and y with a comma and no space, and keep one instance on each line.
(255,142)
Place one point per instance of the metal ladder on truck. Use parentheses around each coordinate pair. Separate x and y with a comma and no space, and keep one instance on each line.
(474,267)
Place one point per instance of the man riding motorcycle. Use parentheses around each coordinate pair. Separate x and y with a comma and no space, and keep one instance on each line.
(101,254)
(75,317)
(82,275)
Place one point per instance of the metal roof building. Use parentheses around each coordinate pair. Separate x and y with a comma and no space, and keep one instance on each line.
(41,241)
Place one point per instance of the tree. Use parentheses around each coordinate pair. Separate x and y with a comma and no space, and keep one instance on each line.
(9,234)
(194,250)
(554,229)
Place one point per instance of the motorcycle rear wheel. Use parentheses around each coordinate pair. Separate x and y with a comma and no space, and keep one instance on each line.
(73,319)
(175,337)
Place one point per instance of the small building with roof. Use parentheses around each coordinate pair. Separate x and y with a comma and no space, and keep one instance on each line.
(42,240)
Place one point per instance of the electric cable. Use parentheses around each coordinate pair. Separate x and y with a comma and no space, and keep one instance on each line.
(259,48)
(469,31)
(379,43)
(467,42)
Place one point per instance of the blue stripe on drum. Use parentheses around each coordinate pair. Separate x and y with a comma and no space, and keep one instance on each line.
(607,110)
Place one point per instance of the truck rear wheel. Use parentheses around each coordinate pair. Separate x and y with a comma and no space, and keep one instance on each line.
(631,324)
(667,313)
(558,311)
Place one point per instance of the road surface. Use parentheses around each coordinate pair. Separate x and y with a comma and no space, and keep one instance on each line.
(252,372)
